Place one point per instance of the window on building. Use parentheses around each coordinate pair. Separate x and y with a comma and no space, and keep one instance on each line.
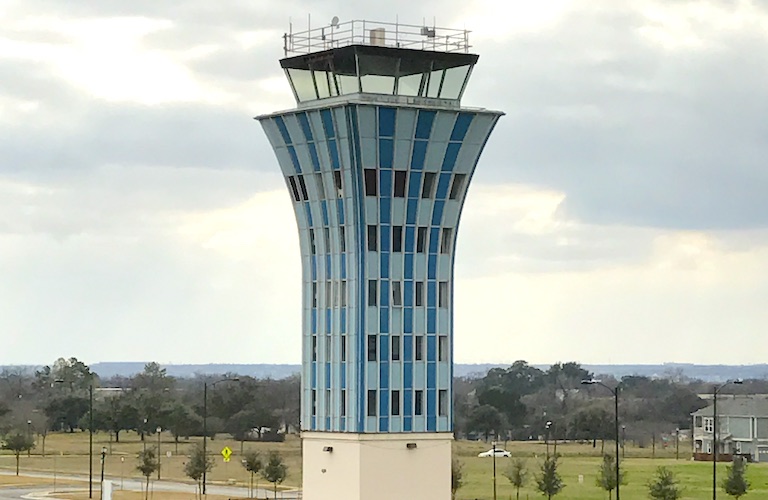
(371,347)
(421,239)
(314,402)
(400,183)
(294,188)
(445,241)
(314,347)
(456,186)
(442,348)
(428,185)
(442,402)
(320,186)
(371,402)
(373,238)
(418,402)
(371,185)
(372,292)
(337,183)
(328,294)
(327,234)
(343,402)
(697,422)
(419,293)
(419,347)
(343,239)
(395,347)
(328,348)
(302,187)
(397,238)
(442,299)
(397,294)
(395,402)
(327,401)
(343,348)
(709,425)
(314,294)
(312,241)
(343,294)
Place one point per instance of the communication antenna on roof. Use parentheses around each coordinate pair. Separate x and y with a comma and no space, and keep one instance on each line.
(335,21)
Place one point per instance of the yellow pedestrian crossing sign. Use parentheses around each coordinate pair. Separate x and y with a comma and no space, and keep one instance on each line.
(226,453)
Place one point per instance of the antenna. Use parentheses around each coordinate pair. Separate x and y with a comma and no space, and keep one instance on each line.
(335,21)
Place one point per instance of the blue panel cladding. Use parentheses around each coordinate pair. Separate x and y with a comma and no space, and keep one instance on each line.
(408,321)
(408,266)
(329,139)
(419,154)
(461,126)
(387,121)
(384,318)
(424,123)
(407,357)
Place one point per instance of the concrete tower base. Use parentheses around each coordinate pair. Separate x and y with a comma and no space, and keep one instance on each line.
(348,466)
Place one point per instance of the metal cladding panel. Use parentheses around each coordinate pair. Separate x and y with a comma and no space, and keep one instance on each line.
(377,192)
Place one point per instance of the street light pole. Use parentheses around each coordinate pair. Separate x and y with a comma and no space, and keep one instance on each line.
(494,470)
(103,459)
(615,392)
(90,440)
(159,432)
(715,430)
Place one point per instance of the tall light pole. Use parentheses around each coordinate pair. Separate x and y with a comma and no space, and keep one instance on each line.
(103,459)
(494,470)
(159,433)
(205,422)
(715,430)
(546,436)
(615,392)
(90,440)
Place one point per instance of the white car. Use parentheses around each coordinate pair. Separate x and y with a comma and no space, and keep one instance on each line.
(499,453)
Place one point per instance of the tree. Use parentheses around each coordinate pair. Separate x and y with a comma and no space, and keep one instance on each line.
(115,414)
(275,470)
(517,473)
(664,486)
(485,419)
(252,463)
(196,465)
(735,484)
(182,421)
(148,464)
(606,475)
(18,442)
(457,477)
(549,482)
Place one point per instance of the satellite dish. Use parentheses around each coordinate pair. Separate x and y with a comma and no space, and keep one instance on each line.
(335,21)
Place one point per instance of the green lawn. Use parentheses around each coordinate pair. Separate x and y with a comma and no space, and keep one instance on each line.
(583,461)
(68,453)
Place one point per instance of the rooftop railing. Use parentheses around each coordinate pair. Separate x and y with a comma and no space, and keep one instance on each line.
(361,32)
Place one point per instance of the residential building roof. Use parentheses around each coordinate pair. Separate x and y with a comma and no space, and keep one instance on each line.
(737,406)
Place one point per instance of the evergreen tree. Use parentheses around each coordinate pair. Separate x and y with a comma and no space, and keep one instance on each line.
(549,482)
(148,464)
(664,486)
(735,484)
(606,475)
(517,475)
(252,463)
(196,465)
(275,470)
(18,443)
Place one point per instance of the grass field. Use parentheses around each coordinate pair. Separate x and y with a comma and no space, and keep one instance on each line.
(137,495)
(68,453)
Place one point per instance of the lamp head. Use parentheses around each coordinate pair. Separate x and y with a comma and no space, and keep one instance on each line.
(590,381)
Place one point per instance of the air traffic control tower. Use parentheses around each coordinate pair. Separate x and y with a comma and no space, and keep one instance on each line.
(377,157)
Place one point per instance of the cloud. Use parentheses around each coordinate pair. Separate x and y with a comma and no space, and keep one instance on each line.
(622,192)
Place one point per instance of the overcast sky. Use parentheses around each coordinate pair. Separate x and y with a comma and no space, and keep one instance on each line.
(618,215)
